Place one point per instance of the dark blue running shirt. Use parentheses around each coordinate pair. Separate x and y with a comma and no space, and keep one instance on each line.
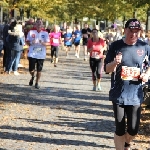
(126,91)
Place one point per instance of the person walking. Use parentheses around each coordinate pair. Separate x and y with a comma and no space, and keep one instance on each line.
(125,60)
(37,41)
(96,46)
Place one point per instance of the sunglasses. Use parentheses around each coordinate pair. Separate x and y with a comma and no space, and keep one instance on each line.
(134,30)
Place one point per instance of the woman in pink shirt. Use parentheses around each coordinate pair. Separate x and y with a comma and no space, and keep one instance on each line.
(55,40)
(95,46)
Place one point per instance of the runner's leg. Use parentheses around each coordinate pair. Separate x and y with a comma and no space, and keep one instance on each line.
(119,136)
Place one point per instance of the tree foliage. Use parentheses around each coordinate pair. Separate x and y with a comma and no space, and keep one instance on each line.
(68,10)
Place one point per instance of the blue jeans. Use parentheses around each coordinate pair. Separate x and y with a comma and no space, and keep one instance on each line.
(15,58)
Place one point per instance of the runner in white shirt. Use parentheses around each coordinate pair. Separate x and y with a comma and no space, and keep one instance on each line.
(37,40)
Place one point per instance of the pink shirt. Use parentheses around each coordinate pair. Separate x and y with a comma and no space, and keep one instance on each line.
(55,38)
(97,50)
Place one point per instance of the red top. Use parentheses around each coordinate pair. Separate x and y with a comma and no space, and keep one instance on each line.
(97,51)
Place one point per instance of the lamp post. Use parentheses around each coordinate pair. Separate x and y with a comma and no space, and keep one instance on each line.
(148,20)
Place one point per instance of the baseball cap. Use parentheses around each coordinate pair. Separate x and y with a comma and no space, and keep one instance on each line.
(133,24)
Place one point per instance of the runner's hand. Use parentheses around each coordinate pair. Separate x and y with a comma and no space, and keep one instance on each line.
(144,77)
(118,58)
(42,43)
(32,42)
(90,49)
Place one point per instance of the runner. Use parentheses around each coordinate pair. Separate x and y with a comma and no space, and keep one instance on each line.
(86,31)
(125,60)
(95,46)
(68,40)
(77,38)
(37,41)
(55,40)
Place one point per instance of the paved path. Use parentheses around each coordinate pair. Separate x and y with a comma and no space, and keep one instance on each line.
(65,114)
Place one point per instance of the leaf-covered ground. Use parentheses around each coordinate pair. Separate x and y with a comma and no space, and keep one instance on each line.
(144,133)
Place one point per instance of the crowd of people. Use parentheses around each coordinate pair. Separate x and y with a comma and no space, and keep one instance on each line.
(123,53)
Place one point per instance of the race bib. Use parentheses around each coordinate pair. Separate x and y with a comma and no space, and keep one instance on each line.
(130,73)
(95,55)
(37,50)
(56,41)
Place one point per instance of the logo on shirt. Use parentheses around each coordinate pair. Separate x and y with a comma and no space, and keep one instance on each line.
(43,36)
(33,35)
(140,52)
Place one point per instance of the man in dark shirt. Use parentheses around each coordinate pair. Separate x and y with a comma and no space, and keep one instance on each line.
(86,31)
(7,53)
(125,61)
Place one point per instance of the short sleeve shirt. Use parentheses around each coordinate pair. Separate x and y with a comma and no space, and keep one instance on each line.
(77,35)
(55,38)
(37,50)
(97,51)
(67,38)
(85,32)
(126,87)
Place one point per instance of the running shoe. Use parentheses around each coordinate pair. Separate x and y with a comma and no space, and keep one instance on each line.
(8,72)
(99,87)
(85,59)
(94,88)
(16,73)
(20,65)
(52,60)
(37,86)
(55,65)
(31,81)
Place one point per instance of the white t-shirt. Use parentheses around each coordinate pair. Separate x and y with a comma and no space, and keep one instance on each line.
(37,50)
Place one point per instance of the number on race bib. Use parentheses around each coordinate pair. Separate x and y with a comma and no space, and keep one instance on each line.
(95,55)
(37,49)
(56,41)
(130,73)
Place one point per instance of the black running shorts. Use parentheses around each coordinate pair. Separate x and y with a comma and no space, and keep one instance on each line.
(38,63)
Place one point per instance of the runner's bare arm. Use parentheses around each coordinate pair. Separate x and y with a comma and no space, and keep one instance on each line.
(44,43)
(148,71)
(30,42)
(110,67)
(89,49)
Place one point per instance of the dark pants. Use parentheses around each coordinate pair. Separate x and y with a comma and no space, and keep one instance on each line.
(132,113)
(6,58)
(54,51)
(96,66)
